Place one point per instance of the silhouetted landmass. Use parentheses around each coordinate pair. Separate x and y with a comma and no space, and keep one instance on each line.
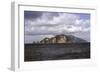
(61,39)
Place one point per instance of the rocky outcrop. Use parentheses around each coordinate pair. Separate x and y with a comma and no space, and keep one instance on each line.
(61,39)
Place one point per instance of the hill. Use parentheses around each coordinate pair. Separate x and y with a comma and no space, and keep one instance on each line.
(62,39)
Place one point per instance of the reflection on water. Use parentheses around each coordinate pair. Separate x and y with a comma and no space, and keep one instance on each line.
(39,52)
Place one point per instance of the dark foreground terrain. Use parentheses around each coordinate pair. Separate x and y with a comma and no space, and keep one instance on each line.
(39,52)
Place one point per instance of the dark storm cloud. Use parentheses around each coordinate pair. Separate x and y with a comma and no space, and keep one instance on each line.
(37,14)
(32,14)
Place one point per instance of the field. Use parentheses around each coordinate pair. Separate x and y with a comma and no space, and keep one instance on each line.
(40,52)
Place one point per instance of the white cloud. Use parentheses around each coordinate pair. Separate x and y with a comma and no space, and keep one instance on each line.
(50,24)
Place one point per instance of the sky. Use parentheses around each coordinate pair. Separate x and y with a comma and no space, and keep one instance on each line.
(39,24)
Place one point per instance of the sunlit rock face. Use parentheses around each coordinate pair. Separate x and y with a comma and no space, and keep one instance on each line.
(53,40)
(57,39)
(61,39)
(45,41)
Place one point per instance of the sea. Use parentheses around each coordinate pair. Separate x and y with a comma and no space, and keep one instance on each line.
(61,51)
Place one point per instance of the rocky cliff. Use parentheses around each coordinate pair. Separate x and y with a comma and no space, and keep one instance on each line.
(62,39)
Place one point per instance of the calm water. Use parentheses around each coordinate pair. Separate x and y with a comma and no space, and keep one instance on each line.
(39,52)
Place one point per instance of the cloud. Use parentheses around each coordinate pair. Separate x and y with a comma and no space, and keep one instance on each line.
(32,14)
(39,24)
(56,23)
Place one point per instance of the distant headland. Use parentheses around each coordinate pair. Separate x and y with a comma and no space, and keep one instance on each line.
(61,39)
